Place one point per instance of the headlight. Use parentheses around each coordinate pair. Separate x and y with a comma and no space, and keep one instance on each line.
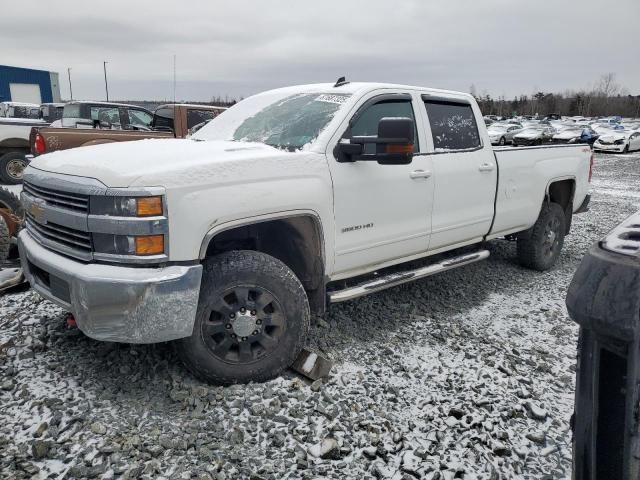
(619,142)
(140,245)
(114,206)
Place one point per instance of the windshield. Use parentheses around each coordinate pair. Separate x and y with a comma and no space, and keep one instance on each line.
(500,128)
(531,130)
(289,122)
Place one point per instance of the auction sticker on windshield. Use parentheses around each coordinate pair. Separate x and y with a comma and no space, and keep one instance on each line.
(339,99)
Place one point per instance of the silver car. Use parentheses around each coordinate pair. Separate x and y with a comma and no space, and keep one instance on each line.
(502,133)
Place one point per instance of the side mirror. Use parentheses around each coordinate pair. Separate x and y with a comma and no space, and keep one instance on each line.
(392,146)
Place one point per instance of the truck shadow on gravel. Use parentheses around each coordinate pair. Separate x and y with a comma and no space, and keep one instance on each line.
(376,318)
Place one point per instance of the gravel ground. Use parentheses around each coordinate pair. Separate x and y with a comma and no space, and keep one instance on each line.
(469,374)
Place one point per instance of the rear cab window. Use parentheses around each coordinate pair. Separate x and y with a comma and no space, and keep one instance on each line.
(453,125)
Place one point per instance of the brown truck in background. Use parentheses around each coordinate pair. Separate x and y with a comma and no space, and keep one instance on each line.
(168,121)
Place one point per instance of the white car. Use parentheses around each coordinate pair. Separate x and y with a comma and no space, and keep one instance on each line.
(288,201)
(502,133)
(620,142)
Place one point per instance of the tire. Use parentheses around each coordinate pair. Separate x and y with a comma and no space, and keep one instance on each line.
(232,345)
(502,141)
(626,149)
(12,165)
(5,241)
(540,246)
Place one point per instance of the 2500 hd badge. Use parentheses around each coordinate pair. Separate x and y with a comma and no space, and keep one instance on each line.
(357,227)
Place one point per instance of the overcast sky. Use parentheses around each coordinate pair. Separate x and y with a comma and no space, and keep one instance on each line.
(237,48)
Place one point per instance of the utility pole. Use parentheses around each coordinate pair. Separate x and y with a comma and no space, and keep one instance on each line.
(106,86)
(174,78)
(70,89)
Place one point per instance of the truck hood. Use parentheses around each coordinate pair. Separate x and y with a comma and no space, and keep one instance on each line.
(158,162)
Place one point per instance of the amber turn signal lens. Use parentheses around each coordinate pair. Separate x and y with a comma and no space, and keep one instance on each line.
(400,148)
(150,245)
(148,206)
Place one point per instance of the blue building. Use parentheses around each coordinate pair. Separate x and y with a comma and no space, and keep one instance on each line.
(28,85)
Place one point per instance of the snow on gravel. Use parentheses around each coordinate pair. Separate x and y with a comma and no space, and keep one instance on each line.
(468,374)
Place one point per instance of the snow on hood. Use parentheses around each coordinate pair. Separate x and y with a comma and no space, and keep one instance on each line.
(529,134)
(566,134)
(612,137)
(160,162)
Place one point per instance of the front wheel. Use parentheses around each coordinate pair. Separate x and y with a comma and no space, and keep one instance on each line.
(252,319)
(502,141)
(540,246)
(12,166)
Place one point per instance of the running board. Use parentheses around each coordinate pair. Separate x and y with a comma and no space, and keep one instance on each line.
(399,278)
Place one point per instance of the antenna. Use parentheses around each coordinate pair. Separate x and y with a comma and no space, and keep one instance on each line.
(341,81)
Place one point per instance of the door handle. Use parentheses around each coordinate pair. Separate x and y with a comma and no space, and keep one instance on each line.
(486,167)
(420,174)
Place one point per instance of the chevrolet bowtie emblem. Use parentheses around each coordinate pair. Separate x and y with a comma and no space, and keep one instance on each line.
(36,210)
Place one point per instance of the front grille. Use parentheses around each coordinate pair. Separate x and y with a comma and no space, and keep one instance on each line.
(72,201)
(73,240)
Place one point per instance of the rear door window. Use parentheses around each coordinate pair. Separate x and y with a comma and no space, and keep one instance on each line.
(453,125)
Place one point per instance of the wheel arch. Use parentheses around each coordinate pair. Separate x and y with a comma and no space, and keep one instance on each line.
(14,142)
(295,238)
(562,191)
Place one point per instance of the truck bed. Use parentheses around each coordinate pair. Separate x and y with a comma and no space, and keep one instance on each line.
(523,180)
(65,138)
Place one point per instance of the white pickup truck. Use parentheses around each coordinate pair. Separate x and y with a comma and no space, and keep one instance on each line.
(292,199)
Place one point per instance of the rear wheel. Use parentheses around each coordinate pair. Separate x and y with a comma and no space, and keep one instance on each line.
(252,319)
(539,247)
(502,141)
(12,166)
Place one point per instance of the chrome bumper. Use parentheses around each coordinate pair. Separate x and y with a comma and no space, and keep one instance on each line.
(114,303)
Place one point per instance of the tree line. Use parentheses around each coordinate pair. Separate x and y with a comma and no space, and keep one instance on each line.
(605,98)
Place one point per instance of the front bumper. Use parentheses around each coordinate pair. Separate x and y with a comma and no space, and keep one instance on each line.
(608,148)
(116,303)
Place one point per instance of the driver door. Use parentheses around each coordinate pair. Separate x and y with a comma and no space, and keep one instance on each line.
(382,212)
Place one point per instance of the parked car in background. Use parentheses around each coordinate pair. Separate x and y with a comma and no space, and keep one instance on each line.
(619,141)
(16,121)
(502,133)
(576,134)
(85,114)
(19,110)
(168,121)
(534,135)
